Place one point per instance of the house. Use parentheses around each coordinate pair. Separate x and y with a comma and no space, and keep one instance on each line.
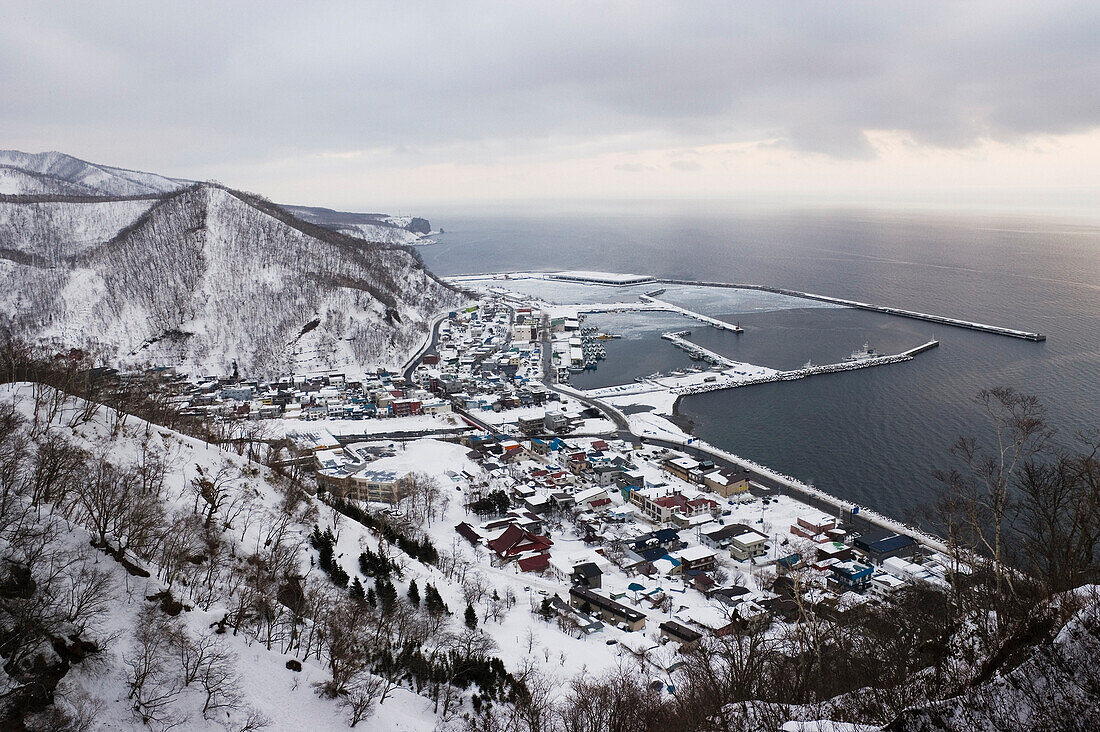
(841,609)
(591,499)
(514,541)
(727,481)
(606,474)
(685,636)
(667,539)
(782,607)
(809,528)
(588,575)
(881,545)
(747,543)
(611,611)
(554,421)
(718,537)
(684,468)
(536,563)
(728,595)
(834,549)
(885,585)
(696,559)
(469,533)
(851,575)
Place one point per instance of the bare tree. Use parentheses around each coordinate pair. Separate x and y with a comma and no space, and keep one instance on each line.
(213,488)
(154,681)
(1059,507)
(361,698)
(977,501)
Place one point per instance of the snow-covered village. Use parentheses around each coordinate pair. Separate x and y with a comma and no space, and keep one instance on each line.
(550,367)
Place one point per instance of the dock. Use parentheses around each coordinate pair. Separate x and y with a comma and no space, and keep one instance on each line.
(697,351)
(942,320)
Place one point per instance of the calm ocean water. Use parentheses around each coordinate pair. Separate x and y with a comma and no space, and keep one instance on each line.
(871,436)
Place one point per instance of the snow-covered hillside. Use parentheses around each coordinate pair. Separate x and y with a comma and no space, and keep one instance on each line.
(370,227)
(384,234)
(60,174)
(89,611)
(206,278)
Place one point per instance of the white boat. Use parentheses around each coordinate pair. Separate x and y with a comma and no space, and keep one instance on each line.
(863,353)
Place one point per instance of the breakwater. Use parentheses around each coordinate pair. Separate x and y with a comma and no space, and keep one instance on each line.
(953,322)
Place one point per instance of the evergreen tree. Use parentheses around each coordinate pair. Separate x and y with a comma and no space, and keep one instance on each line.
(357,592)
(471,617)
(387,593)
(372,599)
(433,602)
(414,593)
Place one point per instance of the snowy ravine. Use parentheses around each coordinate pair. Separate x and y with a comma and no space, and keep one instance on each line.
(208,278)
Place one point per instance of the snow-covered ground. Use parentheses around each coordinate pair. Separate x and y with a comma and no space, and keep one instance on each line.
(287,698)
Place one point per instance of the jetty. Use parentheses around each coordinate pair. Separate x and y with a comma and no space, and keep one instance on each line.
(942,320)
(696,351)
(715,322)
(806,371)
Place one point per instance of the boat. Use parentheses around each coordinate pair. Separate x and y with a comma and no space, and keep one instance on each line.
(575,369)
(863,353)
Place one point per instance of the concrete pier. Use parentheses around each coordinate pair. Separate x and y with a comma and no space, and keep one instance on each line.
(693,349)
(802,373)
(714,322)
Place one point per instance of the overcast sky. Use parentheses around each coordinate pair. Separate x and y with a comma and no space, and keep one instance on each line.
(405,104)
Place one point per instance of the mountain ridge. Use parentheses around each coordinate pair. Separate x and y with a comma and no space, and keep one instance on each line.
(207,277)
(57,173)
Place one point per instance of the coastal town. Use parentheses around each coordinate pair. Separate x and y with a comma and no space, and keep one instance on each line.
(616,527)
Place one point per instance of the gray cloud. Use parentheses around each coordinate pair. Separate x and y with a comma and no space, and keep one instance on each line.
(686,165)
(181,86)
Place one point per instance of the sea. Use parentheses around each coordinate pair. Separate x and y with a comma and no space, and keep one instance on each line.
(872,436)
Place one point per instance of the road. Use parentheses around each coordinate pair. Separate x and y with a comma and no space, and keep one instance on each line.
(851,522)
(411,366)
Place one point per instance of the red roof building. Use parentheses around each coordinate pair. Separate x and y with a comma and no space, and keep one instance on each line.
(537,563)
(515,541)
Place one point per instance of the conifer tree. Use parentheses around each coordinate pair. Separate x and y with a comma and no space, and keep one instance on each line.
(471,617)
